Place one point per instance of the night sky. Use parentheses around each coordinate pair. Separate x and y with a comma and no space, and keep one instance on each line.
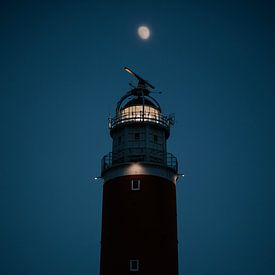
(62,74)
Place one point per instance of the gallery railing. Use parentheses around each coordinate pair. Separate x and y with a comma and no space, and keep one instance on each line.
(139,155)
(140,117)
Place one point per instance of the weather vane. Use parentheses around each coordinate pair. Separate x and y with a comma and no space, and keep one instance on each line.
(141,82)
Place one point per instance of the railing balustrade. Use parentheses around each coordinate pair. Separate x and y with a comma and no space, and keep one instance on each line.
(139,155)
(139,116)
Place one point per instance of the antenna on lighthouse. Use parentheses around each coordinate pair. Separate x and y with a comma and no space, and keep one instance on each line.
(141,81)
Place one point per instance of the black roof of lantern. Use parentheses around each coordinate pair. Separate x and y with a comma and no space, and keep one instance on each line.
(137,101)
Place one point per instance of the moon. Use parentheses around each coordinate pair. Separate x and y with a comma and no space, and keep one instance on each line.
(143,32)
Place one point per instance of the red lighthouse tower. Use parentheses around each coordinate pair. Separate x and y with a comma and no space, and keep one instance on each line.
(139,221)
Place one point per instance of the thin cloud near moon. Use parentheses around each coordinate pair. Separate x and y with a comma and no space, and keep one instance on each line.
(143,32)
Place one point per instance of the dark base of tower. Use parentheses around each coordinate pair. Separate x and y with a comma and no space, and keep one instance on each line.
(139,227)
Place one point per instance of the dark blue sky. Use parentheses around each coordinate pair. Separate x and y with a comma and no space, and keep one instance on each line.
(61,74)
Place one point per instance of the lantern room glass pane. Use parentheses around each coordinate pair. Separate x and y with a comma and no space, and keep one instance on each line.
(136,113)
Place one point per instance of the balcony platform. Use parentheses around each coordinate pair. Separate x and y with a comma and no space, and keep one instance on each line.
(139,155)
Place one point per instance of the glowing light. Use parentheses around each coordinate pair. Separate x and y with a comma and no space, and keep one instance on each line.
(135,113)
(135,169)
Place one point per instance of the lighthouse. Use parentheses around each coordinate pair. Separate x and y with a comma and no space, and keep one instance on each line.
(139,217)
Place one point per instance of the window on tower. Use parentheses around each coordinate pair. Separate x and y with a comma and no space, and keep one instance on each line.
(135,184)
(134,265)
(137,136)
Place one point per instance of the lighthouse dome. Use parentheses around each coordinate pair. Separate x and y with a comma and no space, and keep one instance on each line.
(140,101)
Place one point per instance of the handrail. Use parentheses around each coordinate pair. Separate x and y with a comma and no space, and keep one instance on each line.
(140,155)
(139,117)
